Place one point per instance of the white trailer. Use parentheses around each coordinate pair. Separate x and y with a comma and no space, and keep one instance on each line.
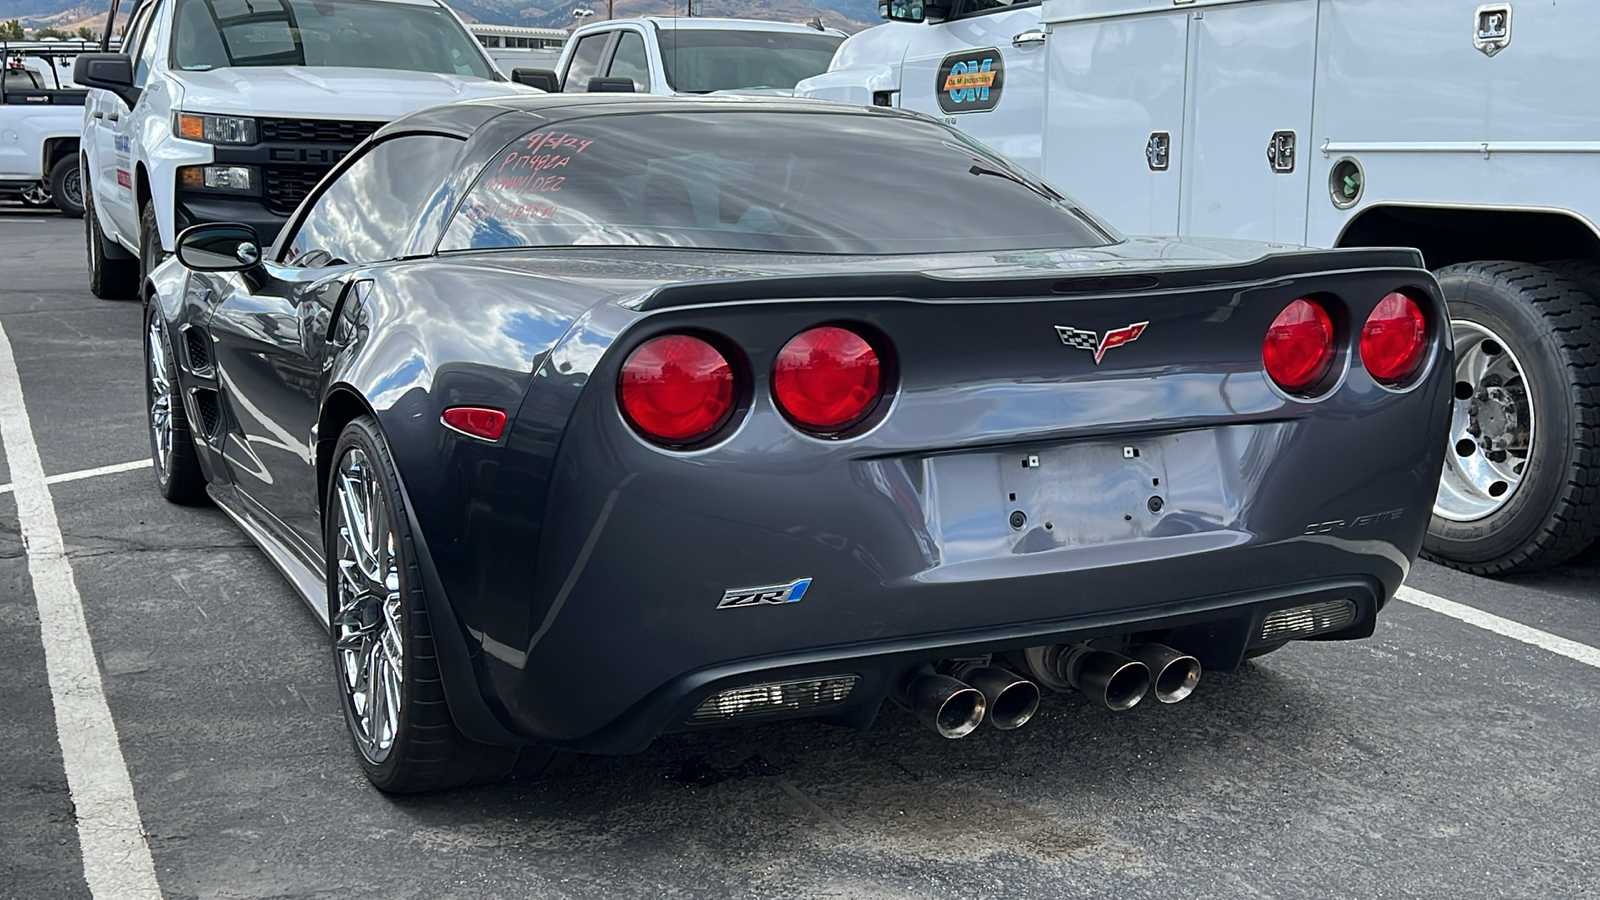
(520,46)
(1453,126)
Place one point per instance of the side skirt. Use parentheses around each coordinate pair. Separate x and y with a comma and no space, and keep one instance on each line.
(301,576)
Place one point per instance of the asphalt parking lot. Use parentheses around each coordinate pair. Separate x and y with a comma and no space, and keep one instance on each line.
(1435,759)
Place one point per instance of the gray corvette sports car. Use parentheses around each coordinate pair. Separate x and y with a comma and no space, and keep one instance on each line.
(584,418)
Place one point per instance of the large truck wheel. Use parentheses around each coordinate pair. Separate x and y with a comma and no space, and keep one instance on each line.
(109,279)
(1522,473)
(66,186)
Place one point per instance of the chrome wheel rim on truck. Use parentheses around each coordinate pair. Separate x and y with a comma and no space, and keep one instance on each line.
(1491,427)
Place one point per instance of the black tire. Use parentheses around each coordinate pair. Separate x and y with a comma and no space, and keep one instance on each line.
(150,252)
(109,279)
(1552,327)
(428,752)
(178,476)
(1584,273)
(66,186)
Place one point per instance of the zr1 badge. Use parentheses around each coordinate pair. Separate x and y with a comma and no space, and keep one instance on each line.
(971,81)
(770,594)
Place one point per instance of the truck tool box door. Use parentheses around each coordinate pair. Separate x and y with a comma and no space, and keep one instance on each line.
(983,72)
(1114,129)
(1249,150)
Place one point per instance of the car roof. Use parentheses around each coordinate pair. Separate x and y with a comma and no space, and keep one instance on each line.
(699,23)
(465,117)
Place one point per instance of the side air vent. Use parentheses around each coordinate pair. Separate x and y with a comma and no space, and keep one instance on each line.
(1305,621)
(207,404)
(198,348)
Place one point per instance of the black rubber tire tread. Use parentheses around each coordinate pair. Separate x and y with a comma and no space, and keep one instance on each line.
(1585,273)
(1568,521)
(109,279)
(58,176)
(183,482)
(150,252)
(429,753)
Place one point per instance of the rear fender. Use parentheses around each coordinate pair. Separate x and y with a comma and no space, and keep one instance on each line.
(431,336)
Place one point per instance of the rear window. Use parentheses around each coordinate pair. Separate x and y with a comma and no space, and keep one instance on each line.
(217,34)
(766,181)
(699,62)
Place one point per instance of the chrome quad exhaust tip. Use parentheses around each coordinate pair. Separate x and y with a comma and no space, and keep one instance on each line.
(1010,700)
(1174,674)
(952,708)
(1108,678)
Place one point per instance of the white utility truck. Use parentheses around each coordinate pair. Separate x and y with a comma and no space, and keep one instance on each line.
(1454,126)
(41,116)
(233,110)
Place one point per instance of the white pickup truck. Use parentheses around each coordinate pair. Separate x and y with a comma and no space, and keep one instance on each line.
(1459,127)
(41,116)
(665,55)
(228,110)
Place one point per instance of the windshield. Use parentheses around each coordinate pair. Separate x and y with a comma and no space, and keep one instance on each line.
(731,179)
(702,61)
(215,34)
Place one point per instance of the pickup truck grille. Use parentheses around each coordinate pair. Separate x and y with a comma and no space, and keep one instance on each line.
(316,131)
(283,187)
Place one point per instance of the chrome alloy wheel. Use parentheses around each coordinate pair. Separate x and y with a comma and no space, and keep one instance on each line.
(1491,427)
(367,636)
(37,195)
(161,398)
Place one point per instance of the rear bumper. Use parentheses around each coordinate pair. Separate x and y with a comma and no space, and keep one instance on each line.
(1218,630)
(903,572)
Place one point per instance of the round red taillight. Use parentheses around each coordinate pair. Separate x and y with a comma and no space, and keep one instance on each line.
(827,379)
(676,389)
(1298,350)
(1394,339)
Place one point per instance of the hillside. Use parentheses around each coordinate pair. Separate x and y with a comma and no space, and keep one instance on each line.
(850,15)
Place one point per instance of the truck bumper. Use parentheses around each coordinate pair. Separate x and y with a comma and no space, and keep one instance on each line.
(197,209)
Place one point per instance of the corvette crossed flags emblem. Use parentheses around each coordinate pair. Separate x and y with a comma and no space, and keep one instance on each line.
(1093,342)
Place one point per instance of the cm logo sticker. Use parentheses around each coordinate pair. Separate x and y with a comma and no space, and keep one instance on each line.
(971,81)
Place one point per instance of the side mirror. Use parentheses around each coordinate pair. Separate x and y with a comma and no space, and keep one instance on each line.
(109,72)
(219,247)
(901,11)
(611,86)
(543,79)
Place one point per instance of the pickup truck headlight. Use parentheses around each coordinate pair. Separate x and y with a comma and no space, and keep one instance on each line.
(218,178)
(217,129)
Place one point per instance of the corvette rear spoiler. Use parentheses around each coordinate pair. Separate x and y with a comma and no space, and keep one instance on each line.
(931,286)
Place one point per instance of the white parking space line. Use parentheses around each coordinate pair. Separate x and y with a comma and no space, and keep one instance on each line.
(1517,631)
(81,474)
(116,857)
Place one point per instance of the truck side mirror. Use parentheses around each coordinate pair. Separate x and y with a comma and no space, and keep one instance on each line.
(903,10)
(219,247)
(611,85)
(109,72)
(543,79)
